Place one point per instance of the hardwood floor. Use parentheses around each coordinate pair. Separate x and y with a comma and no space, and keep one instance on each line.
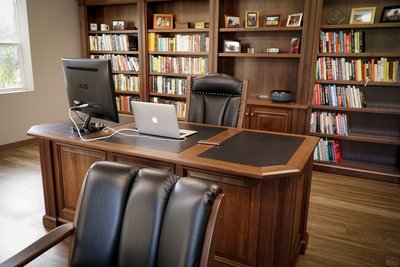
(352,222)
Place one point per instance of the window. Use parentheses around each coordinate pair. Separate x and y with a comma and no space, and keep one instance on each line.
(14,67)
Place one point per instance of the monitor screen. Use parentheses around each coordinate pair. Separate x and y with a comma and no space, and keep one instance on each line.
(89,84)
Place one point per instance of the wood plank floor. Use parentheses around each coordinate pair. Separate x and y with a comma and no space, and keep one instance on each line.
(352,222)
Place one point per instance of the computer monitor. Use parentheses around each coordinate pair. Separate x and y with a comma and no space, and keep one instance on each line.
(90,90)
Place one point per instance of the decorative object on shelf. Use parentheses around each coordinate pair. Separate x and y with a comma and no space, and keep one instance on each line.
(182,25)
(263,96)
(93,26)
(391,14)
(294,45)
(201,25)
(104,27)
(294,20)
(272,50)
(250,50)
(251,19)
(272,20)
(232,21)
(163,21)
(281,96)
(118,25)
(362,15)
(232,46)
(336,16)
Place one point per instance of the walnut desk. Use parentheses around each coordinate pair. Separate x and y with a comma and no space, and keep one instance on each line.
(265,176)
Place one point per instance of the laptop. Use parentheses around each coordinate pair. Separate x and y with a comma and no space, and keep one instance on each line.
(158,119)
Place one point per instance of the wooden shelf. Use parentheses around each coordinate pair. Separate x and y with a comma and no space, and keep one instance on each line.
(363,83)
(170,53)
(175,96)
(188,30)
(115,52)
(175,74)
(260,55)
(128,93)
(115,32)
(126,72)
(375,110)
(362,26)
(361,55)
(262,29)
(363,138)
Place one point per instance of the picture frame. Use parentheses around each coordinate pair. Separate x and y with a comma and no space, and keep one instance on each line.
(93,26)
(294,20)
(232,46)
(336,16)
(163,21)
(362,15)
(118,25)
(251,20)
(294,45)
(391,14)
(272,20)
(232,21)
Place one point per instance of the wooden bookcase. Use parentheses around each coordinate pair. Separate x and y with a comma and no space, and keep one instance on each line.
(371,148)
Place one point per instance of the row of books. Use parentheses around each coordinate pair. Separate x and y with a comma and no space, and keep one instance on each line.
(167,85)
(329,123)
(123,82)
(178,65)
(121,62)
(328,150)
(180,106)
(342,42)
(178,43)
(381,70)
(113,42)
(338,96)
(124,103)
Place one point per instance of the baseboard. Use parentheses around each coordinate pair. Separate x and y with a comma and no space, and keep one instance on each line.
(18,144)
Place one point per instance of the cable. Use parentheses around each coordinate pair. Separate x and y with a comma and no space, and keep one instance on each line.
(120,131)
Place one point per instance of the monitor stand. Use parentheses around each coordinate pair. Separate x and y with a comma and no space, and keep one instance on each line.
(88,127)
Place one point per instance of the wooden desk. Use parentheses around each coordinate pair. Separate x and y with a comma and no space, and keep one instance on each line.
(266,178)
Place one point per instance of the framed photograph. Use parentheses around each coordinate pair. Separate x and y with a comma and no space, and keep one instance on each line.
(93,26)
(272,20)
(251,19)
(232,21)
(231,46)
(294,45)
(163,21)
(336,16)
(391,14)
(362,15)
(118,25)
(294,20)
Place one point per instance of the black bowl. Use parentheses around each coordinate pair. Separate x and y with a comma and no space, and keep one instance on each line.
(281,96)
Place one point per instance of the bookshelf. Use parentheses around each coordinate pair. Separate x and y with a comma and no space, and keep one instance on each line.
(370,149)
(121,46)
(267,71)
(176,53)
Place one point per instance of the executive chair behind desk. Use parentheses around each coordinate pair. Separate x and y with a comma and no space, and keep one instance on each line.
(136,217)
(217,99)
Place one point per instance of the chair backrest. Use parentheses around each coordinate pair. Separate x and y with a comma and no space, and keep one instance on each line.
(217,99)
(146,217)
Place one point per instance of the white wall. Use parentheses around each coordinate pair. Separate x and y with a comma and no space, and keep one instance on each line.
(54,33)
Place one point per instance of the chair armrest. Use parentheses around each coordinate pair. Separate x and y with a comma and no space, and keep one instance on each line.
(40,246)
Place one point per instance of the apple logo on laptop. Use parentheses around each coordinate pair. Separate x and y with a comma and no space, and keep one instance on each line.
(154,119)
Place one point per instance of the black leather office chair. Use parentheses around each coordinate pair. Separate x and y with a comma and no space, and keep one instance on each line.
(131,217)
(217,99)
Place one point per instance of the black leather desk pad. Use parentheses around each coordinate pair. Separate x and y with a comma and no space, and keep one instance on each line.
(169,145)
(255,149)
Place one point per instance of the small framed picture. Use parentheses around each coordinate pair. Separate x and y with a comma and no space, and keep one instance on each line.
(251,19)
(362,15)
(93,26)
(118,25)
(163,21)
(232,21)
(272,20)
(391,14)
(294,20)
(294,45)
(231,46)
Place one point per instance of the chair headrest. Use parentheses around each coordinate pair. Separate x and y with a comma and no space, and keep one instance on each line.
(217,84)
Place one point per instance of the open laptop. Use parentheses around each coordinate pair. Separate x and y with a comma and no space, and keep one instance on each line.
(158,119)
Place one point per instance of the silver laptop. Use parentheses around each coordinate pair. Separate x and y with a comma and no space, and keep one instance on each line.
(158,119)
